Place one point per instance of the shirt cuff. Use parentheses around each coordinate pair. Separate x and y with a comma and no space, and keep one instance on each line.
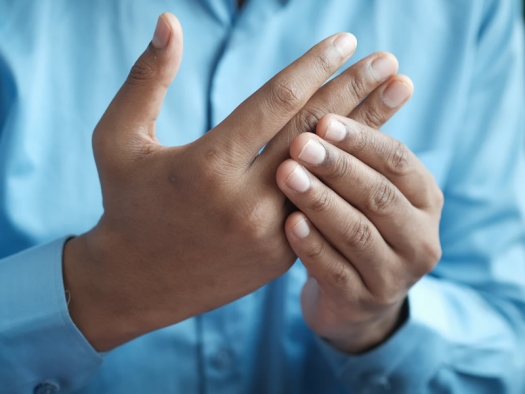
(403,364)
(40,346)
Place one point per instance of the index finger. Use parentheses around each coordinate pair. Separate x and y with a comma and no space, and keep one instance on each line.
(260,117)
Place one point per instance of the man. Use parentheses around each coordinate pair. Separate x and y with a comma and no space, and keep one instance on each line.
(185,281)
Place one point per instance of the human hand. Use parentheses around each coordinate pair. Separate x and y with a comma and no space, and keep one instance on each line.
(188,229)
(367,227)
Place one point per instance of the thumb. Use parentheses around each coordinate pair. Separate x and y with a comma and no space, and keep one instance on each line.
(131,116)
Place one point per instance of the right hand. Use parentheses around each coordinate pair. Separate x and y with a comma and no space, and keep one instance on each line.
(191,228)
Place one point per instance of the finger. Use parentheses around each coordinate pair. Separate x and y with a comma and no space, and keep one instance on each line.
(383,102)
(251,125)
(364,188)
(340,96)
(347,229)
(322,260)
(131,116)
(387,156)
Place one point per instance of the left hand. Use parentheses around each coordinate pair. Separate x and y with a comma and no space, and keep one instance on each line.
(367,229)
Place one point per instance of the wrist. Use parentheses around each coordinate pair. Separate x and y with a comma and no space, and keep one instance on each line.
(103,314)
(364,337)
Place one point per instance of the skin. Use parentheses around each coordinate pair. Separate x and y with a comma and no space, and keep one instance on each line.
(364,246)
(191,228)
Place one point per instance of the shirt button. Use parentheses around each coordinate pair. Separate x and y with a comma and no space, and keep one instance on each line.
(222,359)
(46,388)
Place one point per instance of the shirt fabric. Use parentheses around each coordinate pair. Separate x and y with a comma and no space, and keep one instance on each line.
(61,62)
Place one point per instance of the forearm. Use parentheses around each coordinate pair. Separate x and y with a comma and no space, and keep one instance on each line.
(98,310)
(110,307)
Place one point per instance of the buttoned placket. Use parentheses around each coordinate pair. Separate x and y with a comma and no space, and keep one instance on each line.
(218,330)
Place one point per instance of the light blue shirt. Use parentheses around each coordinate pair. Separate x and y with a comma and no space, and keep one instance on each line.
(62,61)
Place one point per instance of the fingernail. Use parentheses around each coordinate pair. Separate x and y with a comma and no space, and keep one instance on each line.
(162,33)
(395,94)
(312,153)
(345,44)
(298,180)
(301,229)
(335,132)
(383,67)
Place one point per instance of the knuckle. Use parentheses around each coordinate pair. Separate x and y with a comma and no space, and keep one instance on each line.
(433,197)
(140,72)
(359,86)
(339,169)
(208,167)
(338,274)
(433,252)
(212,173)
(286,93)
(307,119)
(439,198)
(358,235)
(360,140)
(398,162)
(423,255)
(381,198)
(389,288)
(386,297)
(322,202)
(325,64)
(315,251)
(372,117)
(429,253)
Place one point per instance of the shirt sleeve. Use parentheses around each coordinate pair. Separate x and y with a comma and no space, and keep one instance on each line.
(465,332)
(41,350)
